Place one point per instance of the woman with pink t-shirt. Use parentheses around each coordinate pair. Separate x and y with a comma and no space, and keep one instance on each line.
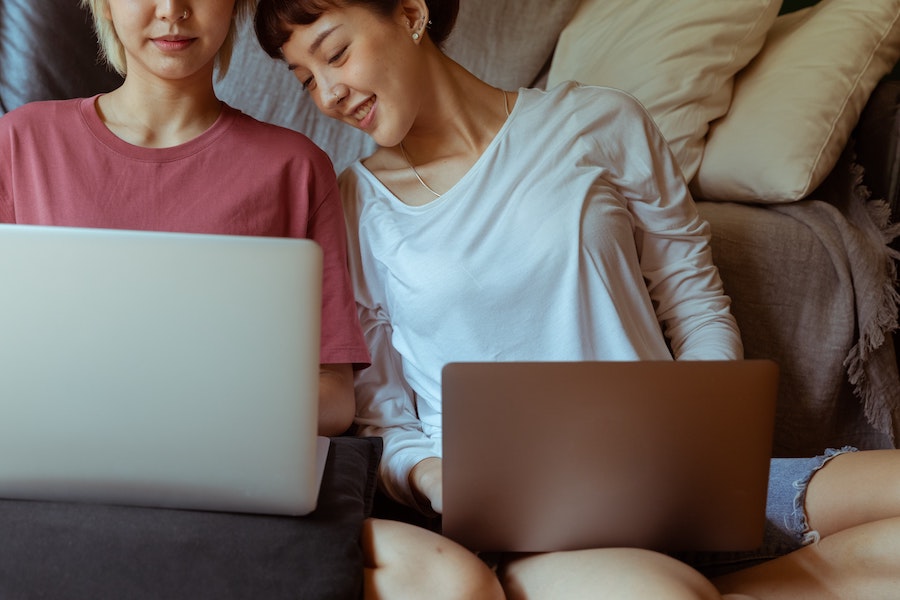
(162,152)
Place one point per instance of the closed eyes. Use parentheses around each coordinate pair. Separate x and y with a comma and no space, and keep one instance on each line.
(334,59)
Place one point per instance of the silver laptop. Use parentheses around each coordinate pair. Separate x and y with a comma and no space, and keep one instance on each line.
(160,369)
(560,456)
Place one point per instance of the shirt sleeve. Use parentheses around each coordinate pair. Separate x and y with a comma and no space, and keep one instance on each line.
(342,339)
(386,408)
(673,242)
(385,403)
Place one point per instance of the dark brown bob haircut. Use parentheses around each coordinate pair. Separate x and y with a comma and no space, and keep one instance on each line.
(274,18)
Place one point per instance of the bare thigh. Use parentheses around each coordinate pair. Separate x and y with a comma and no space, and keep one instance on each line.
(613,573)
(857,562)
(853,489)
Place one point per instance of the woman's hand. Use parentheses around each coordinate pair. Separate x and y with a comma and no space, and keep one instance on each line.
(427,483)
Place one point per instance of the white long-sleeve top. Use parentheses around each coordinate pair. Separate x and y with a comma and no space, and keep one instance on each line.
(573,237)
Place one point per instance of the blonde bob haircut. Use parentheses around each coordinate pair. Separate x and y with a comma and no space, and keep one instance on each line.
(113,52)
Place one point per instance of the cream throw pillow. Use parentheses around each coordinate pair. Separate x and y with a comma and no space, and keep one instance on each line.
(678,57)
(795,105)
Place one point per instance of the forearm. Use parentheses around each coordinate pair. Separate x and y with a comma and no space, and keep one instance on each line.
(405,447)
(426,482)
(336,400)
(688,294)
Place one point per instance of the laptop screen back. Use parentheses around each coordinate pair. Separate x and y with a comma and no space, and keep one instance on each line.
(159,369)
(561,456)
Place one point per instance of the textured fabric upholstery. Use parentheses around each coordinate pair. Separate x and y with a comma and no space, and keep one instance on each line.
(45,58)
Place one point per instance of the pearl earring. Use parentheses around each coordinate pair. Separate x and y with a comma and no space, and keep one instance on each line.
(416,36)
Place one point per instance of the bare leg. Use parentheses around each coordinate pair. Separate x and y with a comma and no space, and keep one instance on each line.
(854,504)
(404,561)
(860,562)
(853,489)
(614,573)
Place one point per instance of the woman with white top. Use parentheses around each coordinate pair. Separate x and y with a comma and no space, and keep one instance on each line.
(495,225)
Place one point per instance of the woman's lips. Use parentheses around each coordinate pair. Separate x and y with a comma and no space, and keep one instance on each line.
(365,114)
(174,43)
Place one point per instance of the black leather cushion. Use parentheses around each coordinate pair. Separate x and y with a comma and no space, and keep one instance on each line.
(54,550)
(48,51)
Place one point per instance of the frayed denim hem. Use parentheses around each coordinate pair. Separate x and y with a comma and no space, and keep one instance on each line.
(801,524)
(787,527)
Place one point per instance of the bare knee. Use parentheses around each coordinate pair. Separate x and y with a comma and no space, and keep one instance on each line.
(605,573)
(405,561)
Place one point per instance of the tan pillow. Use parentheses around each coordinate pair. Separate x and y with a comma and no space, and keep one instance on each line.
(678,57)
(795,105)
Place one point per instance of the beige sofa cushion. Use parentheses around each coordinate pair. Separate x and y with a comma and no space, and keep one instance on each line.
(677,57)
(796,104)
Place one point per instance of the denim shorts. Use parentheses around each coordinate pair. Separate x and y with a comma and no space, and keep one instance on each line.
(786,525)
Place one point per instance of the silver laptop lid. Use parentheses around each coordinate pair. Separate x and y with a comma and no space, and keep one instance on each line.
(159,369)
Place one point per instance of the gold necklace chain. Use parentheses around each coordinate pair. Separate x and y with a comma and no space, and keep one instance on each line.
(416,173)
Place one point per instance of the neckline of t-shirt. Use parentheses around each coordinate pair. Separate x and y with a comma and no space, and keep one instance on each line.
(103,134)
(453,191)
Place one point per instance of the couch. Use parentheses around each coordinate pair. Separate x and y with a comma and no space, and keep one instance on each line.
(784,119)
(800,212)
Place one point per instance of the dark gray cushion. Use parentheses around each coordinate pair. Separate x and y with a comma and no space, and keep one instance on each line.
(48,51)
(55,550)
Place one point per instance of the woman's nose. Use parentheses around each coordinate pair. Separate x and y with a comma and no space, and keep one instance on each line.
(334,95)
(172,10)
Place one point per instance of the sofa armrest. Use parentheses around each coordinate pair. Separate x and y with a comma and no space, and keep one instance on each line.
(877,144)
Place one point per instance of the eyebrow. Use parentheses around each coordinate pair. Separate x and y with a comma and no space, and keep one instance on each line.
(317,43)
(314,47)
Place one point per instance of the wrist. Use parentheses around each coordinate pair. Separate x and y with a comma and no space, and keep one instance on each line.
(425,483)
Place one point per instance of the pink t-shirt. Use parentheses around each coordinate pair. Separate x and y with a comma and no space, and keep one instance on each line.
(60,165)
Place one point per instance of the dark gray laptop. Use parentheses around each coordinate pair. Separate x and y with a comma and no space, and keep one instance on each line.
(560,456)
(160,369)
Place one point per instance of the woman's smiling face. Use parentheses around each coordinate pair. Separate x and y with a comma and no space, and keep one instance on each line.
(361,68)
